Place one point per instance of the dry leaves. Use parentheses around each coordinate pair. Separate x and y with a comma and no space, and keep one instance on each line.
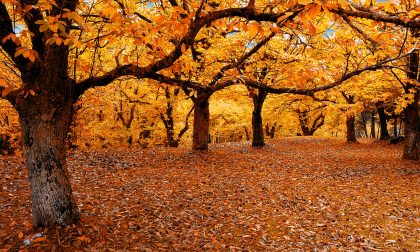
(294,194)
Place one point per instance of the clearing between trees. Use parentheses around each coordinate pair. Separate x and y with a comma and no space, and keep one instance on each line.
(295,194)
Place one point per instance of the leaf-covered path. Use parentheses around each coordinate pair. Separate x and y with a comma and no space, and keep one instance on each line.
(295,194)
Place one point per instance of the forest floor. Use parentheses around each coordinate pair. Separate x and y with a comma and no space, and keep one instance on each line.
(295,194)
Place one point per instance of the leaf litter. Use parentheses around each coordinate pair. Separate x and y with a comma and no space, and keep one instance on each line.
(295,194)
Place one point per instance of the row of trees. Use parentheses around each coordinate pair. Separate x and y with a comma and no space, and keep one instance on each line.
(60,49)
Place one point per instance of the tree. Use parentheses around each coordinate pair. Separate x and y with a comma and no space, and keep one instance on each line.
(411,112)
(42,38)
(168,119)
(45,100)
(382,121)
(307,124)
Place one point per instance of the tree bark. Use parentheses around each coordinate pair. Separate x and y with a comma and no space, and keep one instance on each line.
(168,121)
(364,124)
(45,117)
(411,113)
(45,121)
(201,121)
(257,125)
(372,125)
(351,131)
(395,127)
(383,125)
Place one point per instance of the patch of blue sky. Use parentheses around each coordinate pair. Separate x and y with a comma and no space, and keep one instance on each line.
(329,33)
(18,28)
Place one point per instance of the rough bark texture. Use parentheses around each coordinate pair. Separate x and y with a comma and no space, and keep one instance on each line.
(351,131)
(411,114)
(45,120)
(257,125)
(201,121)
(384,134)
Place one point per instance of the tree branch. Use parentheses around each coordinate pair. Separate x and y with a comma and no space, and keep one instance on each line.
(360,31)
(10,47)
(11,96)
(177,52)
(311,91)
(241,60)
(368,13)
(30,18)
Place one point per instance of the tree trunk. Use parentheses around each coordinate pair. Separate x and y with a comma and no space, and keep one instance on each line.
(411,113)
(201,121)
(395,127)
(411,144)
(45,120)
(168,121)
(45,117)
(351,132)
(364,124)
(246,133)
(372,125)
(257,125)
(383,125)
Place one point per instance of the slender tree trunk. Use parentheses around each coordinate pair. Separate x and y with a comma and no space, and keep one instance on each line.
(257,125)
(411,113)
(372,125)
(395,127)
(168,121)
(364,124)
(246,133)
(45,120)
(351,132)
(383,125)
(201,121)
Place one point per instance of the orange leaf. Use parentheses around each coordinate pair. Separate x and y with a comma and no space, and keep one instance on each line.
(40,239)
(314,11)
(183,48)
(5,92)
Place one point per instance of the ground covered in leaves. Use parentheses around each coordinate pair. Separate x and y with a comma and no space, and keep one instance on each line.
(295,194)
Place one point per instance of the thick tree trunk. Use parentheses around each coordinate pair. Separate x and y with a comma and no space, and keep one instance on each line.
(201,121)
(383,125)
(257,125)
(45,117)
(351,132)
(411,145)
(411,113)
(45,122)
